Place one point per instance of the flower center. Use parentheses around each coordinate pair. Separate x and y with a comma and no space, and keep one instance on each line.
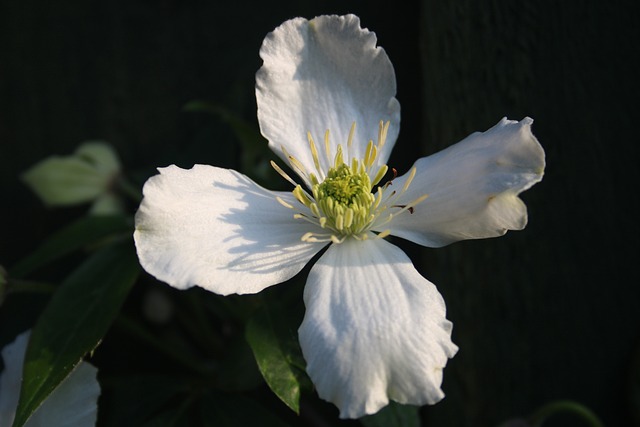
(344,187)
(342,201)
(345,199)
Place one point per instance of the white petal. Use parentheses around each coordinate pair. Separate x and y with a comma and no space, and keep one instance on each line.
(11,378)
(217,229)
(325,74)
(74,403)
(374,329)
(473,187)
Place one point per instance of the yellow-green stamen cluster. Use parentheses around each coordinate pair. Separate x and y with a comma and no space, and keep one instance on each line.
(345,198)
(342,201)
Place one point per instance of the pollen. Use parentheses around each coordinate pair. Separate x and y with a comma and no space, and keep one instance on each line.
(346,199)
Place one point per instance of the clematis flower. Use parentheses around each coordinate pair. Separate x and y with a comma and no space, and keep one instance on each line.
(374,328)
(74,403)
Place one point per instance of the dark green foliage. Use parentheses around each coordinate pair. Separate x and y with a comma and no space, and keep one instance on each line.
(75,320)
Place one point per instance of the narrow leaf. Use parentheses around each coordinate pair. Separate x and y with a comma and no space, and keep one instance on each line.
(83,232)
(274,347)
(74,322)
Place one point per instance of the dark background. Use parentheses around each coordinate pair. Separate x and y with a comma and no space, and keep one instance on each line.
(544,314)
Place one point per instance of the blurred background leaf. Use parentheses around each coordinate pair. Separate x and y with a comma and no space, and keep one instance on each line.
(88,230)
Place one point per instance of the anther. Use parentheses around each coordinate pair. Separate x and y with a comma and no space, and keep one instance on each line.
(314,152)
(383,234)
(352,132)
(327,146)
(412,174)
(283,203)
(410,208)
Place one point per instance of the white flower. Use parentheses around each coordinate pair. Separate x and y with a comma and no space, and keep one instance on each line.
(374,328)
(74,403)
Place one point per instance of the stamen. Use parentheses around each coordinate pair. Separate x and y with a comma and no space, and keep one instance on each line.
(408,207)
(337,240)
(313,179)
(283,173)
(390,182)
(388,198)
(381,173)
(314,210)
(354,166)
(414,203)
(305,218)
(348,218)
(341,199)
(383,129)
(302,196)
(297,165)
(383,234)
(352,132)
(376,203)
(411,209)
(317,237)
(327,146)
(283,203)
(374,156)
(367,154)
(314,153)
(339,161)
(412,174)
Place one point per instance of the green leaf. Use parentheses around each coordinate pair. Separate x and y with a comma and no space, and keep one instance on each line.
(64,181)
(84,231)
(394,415)
(74,322)
(74,179)
(278,355)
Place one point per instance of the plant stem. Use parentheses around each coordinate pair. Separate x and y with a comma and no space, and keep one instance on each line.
(565,406)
